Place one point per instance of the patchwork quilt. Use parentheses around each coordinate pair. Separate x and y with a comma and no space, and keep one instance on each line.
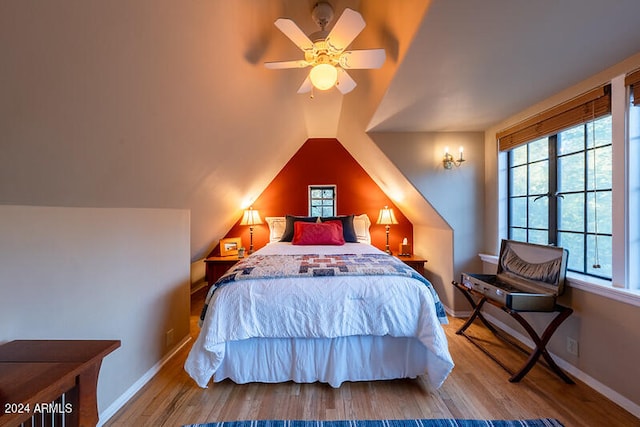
(272,266)
(322,265)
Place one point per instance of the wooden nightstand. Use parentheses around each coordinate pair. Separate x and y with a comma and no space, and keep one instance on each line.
(216,266)
(414,261)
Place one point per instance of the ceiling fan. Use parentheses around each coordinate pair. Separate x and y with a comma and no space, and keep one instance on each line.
(325,52)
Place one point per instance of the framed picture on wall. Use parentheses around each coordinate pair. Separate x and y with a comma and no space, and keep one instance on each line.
(230,246)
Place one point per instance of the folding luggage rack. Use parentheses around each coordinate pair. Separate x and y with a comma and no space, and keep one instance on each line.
(529,278)
(539,340)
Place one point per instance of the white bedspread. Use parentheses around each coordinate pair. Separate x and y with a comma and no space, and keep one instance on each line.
(319,307)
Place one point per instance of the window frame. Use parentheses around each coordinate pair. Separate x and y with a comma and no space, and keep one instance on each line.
(553,159)
(333,199)
(625,286)
(632,181)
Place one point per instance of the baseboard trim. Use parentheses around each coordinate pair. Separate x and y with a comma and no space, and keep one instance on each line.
(131,391)
(454,313)
(195,287)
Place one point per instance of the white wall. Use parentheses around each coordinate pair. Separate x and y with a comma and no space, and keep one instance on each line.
(436,245)
(457,195)
(89,273)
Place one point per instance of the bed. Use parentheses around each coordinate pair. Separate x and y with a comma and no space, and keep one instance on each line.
(329,312)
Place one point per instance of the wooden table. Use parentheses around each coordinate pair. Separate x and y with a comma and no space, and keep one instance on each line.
(414,261)
(216,266)
(51,380)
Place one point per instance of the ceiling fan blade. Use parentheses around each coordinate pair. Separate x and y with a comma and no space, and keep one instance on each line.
(295,34)
(306,85)
(277,65)
(347,27)
(366,58)
(345,83)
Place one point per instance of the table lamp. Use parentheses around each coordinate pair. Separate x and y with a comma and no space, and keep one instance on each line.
(251,217)
(386,218)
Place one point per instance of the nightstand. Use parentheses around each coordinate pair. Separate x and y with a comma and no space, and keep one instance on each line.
(216,266)
(414,261)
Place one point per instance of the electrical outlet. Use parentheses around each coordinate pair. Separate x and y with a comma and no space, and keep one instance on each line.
(169,338)
(572,346)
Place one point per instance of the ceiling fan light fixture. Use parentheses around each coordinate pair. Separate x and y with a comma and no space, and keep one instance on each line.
(325,51)
(323,76)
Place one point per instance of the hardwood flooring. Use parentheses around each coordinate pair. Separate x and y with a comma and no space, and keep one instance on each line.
(477,388)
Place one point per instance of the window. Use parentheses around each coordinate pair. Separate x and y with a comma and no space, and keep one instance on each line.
(560,192)
(322,200)
(633,157)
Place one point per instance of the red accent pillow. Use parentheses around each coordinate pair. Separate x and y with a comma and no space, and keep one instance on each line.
(318,233)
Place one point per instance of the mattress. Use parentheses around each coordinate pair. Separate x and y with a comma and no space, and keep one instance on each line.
(332,328)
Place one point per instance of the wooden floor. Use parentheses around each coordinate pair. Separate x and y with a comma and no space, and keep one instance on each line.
(477,388)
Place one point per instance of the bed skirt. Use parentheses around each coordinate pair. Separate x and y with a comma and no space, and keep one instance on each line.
(328,360)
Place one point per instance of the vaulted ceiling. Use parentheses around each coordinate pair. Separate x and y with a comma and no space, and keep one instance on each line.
(167,104)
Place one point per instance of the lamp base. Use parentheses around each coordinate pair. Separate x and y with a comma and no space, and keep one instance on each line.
(387,249)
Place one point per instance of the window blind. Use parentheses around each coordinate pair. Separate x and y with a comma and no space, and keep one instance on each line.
(633,80)
(588,106)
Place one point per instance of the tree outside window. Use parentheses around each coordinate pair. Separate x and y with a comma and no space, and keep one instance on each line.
(560,191)
(322,200)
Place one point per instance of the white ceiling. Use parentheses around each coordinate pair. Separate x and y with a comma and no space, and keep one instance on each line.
(470,64)
(475,63)
(167,104)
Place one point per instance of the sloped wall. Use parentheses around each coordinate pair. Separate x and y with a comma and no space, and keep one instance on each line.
(324,161)
(97,273)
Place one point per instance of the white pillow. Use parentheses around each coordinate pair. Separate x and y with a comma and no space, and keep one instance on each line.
(276,227)
(361,224)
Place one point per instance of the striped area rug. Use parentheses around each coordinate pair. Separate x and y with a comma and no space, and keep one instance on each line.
(540,422)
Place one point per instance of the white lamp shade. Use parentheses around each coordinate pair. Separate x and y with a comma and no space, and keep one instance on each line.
(324,76)
(386,216)
(251,217)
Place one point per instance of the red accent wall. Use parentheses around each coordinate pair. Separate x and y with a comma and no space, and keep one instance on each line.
(324,161)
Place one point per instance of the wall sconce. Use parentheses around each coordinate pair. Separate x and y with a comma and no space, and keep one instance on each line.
(448,161)
(251,217)
(386,217)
